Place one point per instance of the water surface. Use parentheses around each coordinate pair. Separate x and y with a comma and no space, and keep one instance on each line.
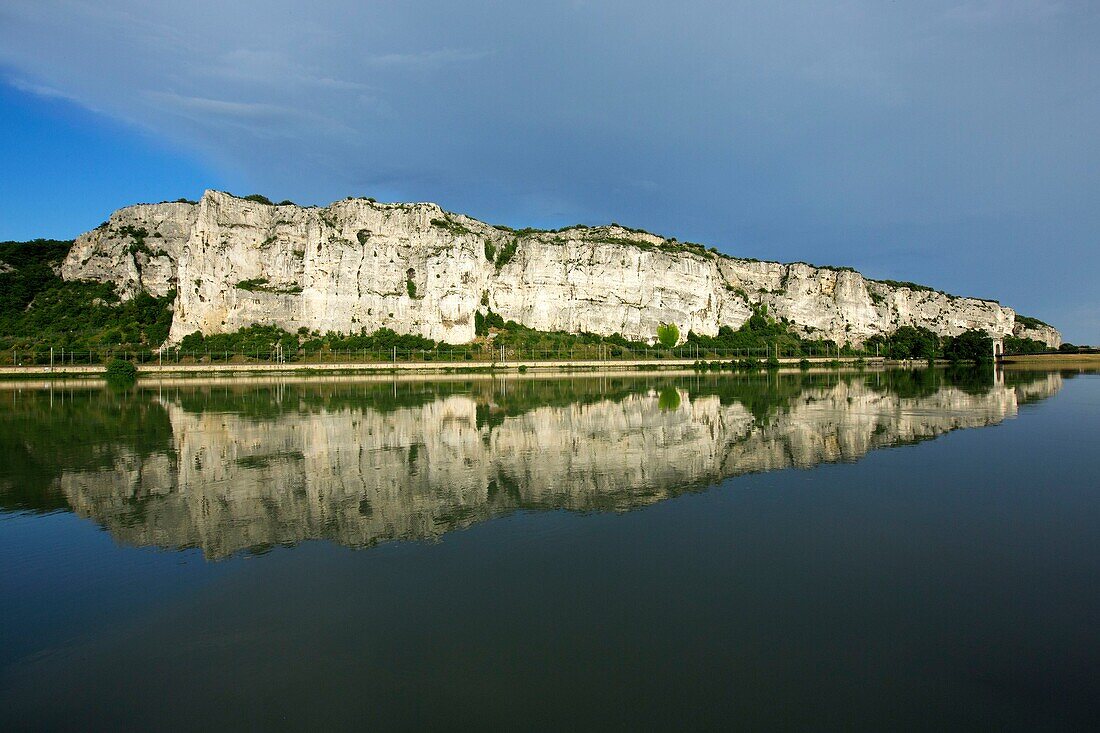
(883,550)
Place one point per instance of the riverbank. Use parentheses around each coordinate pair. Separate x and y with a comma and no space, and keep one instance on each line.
(454,367)
(1055,361)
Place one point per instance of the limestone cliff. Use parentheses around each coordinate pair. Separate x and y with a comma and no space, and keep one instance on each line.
(359,475)
(358,264)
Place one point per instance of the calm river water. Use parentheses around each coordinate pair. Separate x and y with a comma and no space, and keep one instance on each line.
(879,551)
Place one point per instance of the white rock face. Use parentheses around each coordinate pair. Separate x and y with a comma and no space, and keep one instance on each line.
(414,268)
(360,476)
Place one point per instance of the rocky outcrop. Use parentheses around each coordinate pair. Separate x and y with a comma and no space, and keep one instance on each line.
(359,475)
(361,265)
(1049,335)
(138,248)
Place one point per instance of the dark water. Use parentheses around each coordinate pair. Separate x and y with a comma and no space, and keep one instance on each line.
(875,552)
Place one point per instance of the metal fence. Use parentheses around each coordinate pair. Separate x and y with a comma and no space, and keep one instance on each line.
(59,357)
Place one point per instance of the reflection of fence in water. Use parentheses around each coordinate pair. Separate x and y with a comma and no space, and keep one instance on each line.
(489,354)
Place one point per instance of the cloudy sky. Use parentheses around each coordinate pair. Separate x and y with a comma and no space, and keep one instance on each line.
(951,143)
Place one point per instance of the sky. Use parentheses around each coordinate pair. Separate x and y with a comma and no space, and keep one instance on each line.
(952,143)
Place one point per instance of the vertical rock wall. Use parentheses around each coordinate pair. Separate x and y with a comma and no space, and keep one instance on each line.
(360,265)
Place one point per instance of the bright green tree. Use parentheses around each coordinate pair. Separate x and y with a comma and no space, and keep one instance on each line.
(668,334)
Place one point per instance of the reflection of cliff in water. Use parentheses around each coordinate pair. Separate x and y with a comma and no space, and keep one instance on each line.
(233,468)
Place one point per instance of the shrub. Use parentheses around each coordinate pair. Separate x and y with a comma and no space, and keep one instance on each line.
(138,235)
(120,371)
(262,285)
(410,286)
(259,199)
(804,364)
(1028,322)
(506,253)
(451,226)
(482,323)
(253,284)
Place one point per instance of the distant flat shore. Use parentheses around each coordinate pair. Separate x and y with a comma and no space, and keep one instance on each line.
(1055,361)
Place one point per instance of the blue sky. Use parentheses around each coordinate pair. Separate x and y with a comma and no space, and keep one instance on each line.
(948,142)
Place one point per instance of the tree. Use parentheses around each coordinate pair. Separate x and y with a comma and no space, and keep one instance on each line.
(482,323)
(668,335)
(909,342)
(975,346)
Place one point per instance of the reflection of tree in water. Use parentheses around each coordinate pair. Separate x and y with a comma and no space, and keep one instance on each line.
(669,398)
(228,467)
(43,432)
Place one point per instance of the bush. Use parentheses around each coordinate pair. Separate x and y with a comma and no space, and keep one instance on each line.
(1028,322)
(258,198)
(804,364)
(773,363)
(121,371)
(506,253)
(451,226)
(482,323)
